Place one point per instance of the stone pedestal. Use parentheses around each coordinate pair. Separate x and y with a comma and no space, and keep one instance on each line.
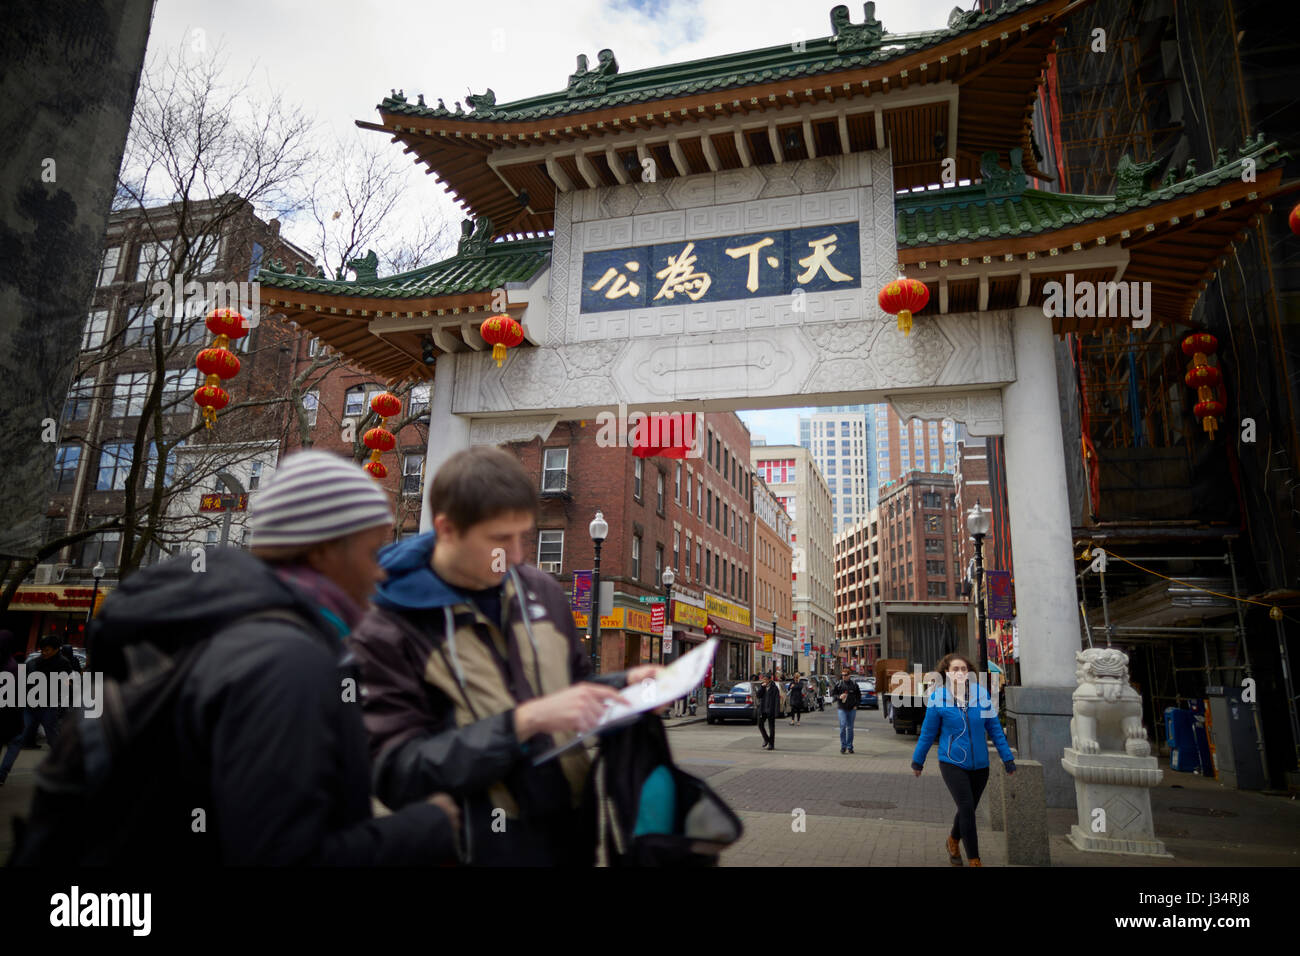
(1042,726)
(1119,785)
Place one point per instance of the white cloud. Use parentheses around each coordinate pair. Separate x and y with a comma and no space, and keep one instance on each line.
(338,59)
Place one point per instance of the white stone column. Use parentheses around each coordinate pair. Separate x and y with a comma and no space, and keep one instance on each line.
(448,433)
(1047,611)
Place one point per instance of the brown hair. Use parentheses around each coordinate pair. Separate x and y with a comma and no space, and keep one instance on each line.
(479,484)
(942,668)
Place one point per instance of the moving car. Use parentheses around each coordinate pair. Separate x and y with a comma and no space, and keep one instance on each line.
(738,703)
(868,688)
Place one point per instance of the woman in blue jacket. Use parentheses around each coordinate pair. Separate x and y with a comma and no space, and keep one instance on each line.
(959,713)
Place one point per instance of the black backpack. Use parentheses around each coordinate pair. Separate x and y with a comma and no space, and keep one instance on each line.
(703,824)
(110,792)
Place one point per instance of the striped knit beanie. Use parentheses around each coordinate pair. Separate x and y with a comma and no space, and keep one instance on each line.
(315,496)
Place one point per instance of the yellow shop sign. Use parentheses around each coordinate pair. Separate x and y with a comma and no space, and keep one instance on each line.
(726,610)
(623,618)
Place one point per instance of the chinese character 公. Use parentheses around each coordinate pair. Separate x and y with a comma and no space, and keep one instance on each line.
(622,284)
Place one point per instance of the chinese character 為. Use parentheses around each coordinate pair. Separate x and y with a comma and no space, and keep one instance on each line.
(680,276)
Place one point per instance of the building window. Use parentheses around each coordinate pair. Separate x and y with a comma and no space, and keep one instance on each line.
(96,328)
(77,404)
(108,266)
(710,507)
(102,547)
(717,570)
(178,390)
(636,557)
(688,492)
(311,403)
(710,446)
(677,543)
(418,404)
(129,393)
(555,469)
(937,589)
(354,402)
(659,491)
(139,327)
(114,464)
(154,261)
(698,552)
(699,497)
(550,551)
(412,472)
(313,347)
(936,568)
(636,479)
(708,566)
(66,461)
(677,485)
(659,564)
(255,261)
(254,475)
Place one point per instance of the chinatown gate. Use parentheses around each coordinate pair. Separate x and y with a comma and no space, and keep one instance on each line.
(721,230)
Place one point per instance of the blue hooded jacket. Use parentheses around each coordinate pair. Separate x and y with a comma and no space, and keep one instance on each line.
(961,736)
(411,584)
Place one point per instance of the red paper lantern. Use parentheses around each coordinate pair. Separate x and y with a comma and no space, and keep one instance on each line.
(213,398)
(664,435)
(219,362)
(386,405)
(501,332)
(376,469)
(1202,376)
(903,297)
(1293,220)
(1202,342)
(379,440)
(1209,412)
(226,322)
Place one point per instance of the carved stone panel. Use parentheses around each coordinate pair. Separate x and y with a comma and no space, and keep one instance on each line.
(980,412)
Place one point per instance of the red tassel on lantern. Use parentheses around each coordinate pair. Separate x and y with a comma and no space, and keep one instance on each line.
(903,297)
(501,332)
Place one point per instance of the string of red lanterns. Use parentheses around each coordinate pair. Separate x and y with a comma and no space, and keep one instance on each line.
(501,332)
(903,297)
(217,362)
(379,439)
(1205,378)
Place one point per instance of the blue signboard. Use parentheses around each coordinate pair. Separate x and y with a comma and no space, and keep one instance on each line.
(999,599)
(749,266)
(581,601)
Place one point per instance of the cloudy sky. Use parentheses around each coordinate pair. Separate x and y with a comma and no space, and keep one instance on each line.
(337,59)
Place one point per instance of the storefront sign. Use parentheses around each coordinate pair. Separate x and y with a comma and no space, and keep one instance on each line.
(767,643)
(725,610)
(784,646)
(54,598)
(688,614)
(657,619)
(212,502)
(623,618)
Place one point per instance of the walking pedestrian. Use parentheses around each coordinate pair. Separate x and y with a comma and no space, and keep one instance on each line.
(472,668)
(768,703)
(847,695)
(960,713)
(51,662)
(796,700)
(268,737)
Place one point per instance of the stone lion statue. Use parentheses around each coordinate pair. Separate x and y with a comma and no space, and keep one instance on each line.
(1107,710)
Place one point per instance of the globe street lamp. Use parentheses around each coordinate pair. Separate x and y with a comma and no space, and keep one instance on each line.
(97,572)
(599,530)
(978,523)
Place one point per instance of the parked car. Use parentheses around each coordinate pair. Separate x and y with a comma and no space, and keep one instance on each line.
(868,688)
(737,703)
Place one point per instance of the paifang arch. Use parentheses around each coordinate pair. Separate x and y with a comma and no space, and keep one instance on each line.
(813,166)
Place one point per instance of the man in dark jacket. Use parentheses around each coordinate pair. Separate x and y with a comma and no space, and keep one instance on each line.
(268,740)
(768,702)
(847,695)
(473,668)
(50,662)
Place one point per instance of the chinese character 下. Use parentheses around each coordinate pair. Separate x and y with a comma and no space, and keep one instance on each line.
(752,250)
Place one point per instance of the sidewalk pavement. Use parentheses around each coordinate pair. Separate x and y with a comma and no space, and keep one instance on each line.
(867,808)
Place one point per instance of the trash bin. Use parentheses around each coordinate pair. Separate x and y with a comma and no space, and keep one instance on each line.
(1183,754)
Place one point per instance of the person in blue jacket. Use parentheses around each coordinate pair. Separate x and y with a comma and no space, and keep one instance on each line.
(959,712)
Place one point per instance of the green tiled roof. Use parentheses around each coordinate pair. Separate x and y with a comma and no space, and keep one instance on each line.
(507,261)
(970,214)
(821,56)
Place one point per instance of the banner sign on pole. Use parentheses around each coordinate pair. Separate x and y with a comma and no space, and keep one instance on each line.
(657,618)
(581,601)
(999,596)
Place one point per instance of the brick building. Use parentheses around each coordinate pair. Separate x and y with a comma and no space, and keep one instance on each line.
(773,599)
(692,514)
(858,617)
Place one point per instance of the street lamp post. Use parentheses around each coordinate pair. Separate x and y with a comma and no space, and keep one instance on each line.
(669,579)
(774,620)
(977,523)
(97,572)
(599,531)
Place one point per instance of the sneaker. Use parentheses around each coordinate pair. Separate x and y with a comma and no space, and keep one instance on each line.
(843,750)
(975,861)
(954,851)
(850,750)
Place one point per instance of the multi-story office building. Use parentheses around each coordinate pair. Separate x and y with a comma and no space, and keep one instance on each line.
(798,485)
(839,442)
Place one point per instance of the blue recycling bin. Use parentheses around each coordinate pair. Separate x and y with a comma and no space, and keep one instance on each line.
(1184,755)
